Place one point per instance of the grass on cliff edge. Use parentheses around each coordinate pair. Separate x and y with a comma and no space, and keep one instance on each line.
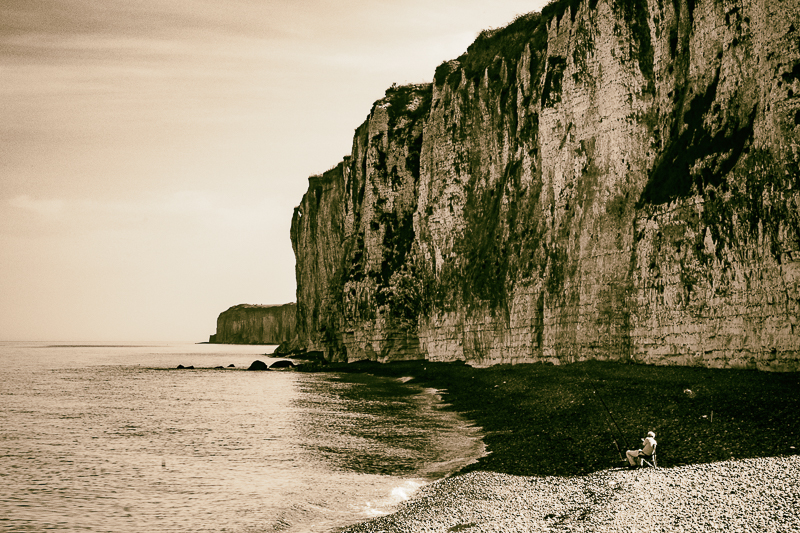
(541,419)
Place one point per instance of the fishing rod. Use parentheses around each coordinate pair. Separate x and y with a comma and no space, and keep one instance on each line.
(611,415)
(619,450)
(612,420)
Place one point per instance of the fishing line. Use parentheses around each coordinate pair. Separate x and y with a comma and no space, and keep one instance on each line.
(610,416)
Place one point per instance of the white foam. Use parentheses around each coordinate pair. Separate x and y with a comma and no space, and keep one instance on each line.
(397,496)
(404,492)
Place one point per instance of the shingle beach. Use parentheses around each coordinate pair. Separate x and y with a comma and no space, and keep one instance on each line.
(758,495)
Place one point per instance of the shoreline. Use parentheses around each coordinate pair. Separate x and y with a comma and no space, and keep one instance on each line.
(760,494)
(553,432)
(540,419)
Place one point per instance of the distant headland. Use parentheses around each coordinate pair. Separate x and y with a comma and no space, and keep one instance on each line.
(256,324)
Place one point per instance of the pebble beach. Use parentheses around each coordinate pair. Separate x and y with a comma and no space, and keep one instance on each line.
(727,455)
(756,494)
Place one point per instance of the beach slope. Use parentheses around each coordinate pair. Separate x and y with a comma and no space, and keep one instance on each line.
(761,494)
(556,436)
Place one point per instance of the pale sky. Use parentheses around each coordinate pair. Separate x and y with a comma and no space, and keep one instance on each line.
(152,151)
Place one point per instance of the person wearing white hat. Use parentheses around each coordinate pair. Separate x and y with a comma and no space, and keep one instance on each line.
(648,445)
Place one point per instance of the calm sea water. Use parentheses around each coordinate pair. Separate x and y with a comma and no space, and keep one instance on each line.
(100,437)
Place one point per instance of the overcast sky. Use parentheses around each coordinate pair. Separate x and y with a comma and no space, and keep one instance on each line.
(152,151)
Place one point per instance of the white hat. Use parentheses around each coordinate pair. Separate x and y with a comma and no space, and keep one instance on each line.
(651,434)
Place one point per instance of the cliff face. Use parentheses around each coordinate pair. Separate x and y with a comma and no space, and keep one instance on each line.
(256,324)
(610,179)
(318,237)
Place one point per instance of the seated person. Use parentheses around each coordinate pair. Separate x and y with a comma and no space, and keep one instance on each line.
(648,446)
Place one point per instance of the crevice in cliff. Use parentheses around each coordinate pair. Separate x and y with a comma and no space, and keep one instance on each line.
(551,90)
(635,13)
(484,249)
(555,10)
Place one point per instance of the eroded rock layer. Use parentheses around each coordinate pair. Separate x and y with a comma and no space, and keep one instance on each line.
(608,179)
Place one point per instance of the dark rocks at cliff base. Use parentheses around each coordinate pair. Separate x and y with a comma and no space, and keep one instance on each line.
(258,365)
(282,364)
(313,355)
(231,366)
(181,367)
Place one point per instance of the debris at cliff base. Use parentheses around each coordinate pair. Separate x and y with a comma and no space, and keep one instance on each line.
(542,419)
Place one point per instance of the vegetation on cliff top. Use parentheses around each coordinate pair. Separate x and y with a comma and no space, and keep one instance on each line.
(531,29)
(508,42)
(412,102)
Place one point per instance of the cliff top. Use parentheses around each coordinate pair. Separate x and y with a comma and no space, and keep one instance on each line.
(258,306)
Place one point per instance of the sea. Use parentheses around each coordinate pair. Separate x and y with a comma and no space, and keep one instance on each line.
(113,437)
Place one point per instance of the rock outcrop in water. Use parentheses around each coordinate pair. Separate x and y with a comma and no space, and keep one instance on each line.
(258,365)
(256,324)
(609,179)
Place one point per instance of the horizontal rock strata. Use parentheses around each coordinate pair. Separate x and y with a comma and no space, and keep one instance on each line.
(606,179)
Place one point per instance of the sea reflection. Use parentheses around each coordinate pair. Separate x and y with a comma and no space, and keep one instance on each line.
(139,447)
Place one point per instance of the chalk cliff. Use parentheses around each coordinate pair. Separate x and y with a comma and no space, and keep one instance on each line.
(256,324)
(608,179)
